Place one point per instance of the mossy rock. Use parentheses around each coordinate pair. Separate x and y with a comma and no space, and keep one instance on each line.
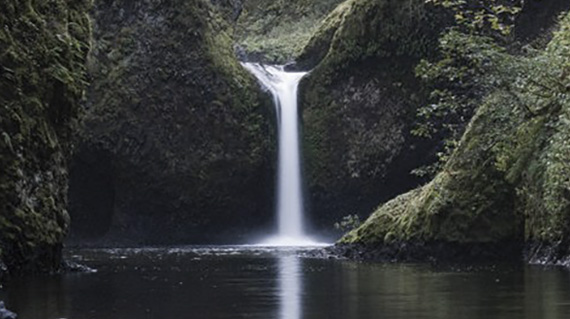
(359,103)
(275,32)
(508,179)
(469,201)
(178,143)
(43,50)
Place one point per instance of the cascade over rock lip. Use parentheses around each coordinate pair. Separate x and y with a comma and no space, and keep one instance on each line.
(283,86)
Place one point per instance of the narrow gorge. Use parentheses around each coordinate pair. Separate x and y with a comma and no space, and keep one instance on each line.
(202,152)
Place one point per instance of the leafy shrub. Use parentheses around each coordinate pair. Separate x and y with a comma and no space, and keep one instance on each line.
(348,223)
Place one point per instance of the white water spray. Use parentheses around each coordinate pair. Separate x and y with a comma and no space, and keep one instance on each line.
(283,86)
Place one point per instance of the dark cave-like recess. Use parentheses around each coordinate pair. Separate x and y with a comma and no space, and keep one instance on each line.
(92,195)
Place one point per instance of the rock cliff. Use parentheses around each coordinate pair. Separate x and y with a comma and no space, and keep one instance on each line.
(43,50)
(177,144)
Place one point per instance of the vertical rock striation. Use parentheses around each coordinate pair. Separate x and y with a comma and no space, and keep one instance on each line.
(43,49)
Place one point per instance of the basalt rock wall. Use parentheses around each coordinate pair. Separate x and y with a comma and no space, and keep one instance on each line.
(43,50)
(177,145)
(359,104)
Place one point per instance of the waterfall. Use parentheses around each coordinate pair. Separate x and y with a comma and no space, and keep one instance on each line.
(283,86)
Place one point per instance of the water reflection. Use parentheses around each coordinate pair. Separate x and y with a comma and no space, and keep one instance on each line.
(48,295)
(290,287)
(229,283)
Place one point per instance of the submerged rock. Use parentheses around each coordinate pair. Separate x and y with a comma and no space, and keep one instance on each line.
(436,252)
(73,267)
(5,313)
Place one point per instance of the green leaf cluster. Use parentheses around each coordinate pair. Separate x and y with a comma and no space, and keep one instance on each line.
(508,178)
(483,16)
(348,223)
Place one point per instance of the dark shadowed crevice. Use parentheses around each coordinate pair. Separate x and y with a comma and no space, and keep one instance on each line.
(91,194)
(537,17)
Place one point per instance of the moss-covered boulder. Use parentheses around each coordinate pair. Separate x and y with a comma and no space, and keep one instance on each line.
(359,103)
(177,144)
(43,48)
(508,181)
(469,201)
(276,31)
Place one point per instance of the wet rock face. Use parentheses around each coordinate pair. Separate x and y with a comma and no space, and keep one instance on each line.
(359,150)
(359,104)
(43,49)
(176,145)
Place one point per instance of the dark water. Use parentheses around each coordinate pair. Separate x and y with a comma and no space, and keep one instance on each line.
(265,283)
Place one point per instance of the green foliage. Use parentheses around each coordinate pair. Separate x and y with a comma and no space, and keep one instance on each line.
(464,74)
(508,177)
(469,68)
(276,31)
(544,190)
(467,201)
(348,223)
(468,64)
(359,30)
(431,169)
(483,16)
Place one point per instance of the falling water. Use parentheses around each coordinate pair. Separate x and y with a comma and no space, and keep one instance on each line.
(283,86)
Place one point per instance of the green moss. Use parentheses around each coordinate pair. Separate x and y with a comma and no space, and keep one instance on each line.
(276,31)
(357,30)
(178,117)
(43,48)
(360,97)
(469,201)
(508,178)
